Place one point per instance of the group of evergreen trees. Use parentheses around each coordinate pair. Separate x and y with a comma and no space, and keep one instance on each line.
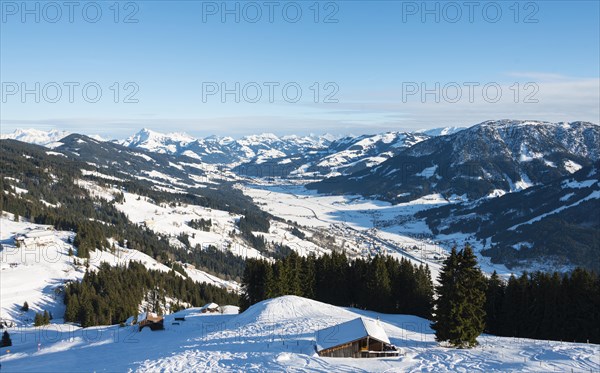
(201,224)
(111,294)
(42,318)
(541,305)
(538,305)
(381,283)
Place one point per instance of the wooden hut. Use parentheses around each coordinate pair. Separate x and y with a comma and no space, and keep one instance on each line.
(151,320)
(358,338)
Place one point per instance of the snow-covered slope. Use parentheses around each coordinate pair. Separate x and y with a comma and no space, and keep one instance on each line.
(37,274)
(549,226)
(274,336)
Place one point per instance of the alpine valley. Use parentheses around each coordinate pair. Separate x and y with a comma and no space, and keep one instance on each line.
(95,232)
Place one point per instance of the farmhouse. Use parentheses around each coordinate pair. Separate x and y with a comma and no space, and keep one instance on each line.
(151,320)
(358,338)
(35,238)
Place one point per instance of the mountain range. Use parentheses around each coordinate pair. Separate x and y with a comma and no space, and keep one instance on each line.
(526,190)
(488,159)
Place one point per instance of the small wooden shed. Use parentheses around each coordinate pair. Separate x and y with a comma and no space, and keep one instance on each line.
(358,338)
(151,320)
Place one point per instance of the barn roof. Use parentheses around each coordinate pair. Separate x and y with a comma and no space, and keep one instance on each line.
(350,331)
(36,233)
(210,306)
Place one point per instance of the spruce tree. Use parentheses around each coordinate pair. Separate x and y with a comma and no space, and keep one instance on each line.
(460,308)
(472,286)
(494,296)
(25,307)
(6,341)
(444,316)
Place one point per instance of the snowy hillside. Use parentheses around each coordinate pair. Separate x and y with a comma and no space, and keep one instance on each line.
(276,335)
(37,274)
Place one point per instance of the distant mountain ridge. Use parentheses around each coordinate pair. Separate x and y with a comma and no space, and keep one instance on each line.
(37,137)
(491,157)
(342,157)
(224,150)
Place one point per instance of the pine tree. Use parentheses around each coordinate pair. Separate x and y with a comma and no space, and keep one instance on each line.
(444,316)
(25,307)
(309,277)
(6,341)
(378,285)
(494,296)
(38,319)
(472,292)
(459,313)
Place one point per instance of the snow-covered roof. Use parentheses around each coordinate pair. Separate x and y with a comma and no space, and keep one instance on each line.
(350,331)
(35,233)
(210,306)
(146,315)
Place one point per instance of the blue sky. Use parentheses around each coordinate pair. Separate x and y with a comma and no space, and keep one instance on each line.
(543,57)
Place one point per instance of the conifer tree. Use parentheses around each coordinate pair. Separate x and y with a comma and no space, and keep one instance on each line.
(444,316)
(472,296)
(494,297)
(6,341)
(459,314)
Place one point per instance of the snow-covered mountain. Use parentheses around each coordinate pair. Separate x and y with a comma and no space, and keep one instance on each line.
(553,224)
(341,157)
(157,142)
(441,131)
(491,157)
(38,137)
(225,150)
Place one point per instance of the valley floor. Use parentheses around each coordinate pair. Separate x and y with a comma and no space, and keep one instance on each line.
(368,226)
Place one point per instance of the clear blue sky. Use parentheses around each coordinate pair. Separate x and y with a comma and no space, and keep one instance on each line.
(372,51)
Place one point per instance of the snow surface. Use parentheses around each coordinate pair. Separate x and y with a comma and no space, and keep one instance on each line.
(275,335)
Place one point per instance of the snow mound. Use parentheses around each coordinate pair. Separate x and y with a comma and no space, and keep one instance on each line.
(290,307)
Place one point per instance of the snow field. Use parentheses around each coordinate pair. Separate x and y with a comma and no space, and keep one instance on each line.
(276,335)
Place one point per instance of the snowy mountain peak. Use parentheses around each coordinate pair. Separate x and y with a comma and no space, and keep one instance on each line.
(441,131)
(157,142)
(37,137)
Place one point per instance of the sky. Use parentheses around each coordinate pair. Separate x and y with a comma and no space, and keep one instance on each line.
(243,67)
